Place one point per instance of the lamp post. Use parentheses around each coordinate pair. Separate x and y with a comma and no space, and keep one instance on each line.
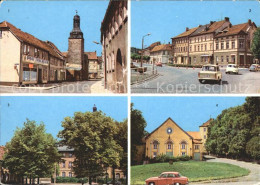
(143,48)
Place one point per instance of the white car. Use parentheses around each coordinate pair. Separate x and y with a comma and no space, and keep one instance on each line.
(232,68)
(210,73)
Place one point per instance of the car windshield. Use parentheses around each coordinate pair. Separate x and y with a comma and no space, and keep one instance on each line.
(209,68)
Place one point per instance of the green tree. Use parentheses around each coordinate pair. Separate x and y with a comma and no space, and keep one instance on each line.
(91,135)
(255,47)
(31,152)
(122,139)
(138,132)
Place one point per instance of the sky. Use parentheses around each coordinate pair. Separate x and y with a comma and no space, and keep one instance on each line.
(53,21)
(166,19)
(188,112)
(52,110)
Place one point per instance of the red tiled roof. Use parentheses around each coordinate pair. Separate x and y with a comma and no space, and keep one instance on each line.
(233,30)
(212,28)
(91,55)
(162,47)
(195,135)
(28,38)
(186,33)
(2,152)
(64,53)
(207,123)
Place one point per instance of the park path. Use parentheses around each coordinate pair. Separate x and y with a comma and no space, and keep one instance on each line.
(252,179)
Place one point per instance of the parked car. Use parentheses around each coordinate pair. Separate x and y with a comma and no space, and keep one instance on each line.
(158,64)
(254,67)
(210,72)
(168,178)
(232,68)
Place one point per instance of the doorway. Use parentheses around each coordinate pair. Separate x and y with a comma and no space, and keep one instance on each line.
(39,75)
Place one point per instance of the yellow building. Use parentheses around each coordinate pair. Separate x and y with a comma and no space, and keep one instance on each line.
(170,139)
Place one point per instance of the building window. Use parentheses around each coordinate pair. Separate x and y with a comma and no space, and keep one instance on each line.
(194,47)
(117,175)
(29,72)
(233,44)
(217,59)
(205,137)
(197,147)
(169,146)
(201,47)
(155,144)
(227,59)
(190,48)
(1,33)
(70,174)
(222,59)
(63,164)
(194,59)
(233,58)
(70,164)
(154,154)
(198,47)
(222,45)
(216,46)
(183,145)
(183,153)
(205,47)
(241,44)
(70,154)
(63,174)
(205,129)
(227,45)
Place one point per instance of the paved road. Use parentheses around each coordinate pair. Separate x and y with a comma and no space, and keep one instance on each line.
(185,80)
(65,87)
(252,179)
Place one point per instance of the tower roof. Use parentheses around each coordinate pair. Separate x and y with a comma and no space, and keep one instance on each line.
(76,32)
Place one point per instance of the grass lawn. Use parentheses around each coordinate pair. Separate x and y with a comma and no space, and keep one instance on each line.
(194,170)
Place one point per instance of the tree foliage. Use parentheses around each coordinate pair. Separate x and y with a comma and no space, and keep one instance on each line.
(255,47)
(31,152)
(236,131)
(92,136)
(138,132)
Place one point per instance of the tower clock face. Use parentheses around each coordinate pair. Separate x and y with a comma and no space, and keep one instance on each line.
(169,130)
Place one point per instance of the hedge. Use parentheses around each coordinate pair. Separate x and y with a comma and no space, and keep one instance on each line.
(164,158)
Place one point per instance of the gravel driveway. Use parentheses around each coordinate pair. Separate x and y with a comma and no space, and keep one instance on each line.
(252,179)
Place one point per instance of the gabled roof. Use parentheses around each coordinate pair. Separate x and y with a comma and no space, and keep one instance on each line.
(164,123)
(186,33)
(206,124)
(91,55)
(28,38)
(2,152)
(235,29)
(162,47)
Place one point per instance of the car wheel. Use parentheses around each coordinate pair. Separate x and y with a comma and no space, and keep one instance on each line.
(151,183)
(226,72)
(177,183)
(220,82)
(202,81)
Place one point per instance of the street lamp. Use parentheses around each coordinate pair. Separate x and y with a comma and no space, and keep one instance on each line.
(143,48)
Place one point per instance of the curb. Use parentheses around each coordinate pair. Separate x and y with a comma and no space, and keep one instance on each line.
(149,78)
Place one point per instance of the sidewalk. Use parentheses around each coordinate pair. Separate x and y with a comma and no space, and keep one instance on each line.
(98,87)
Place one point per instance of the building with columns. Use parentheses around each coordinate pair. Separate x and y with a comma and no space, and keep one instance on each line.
(114,31)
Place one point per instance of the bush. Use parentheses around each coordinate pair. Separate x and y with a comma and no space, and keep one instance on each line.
(165,158)
(70,180)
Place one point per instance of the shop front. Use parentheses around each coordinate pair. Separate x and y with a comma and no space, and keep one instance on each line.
(34,70)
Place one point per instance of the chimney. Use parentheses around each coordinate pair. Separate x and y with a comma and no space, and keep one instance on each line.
(187,29)
(230,25)
(211,22)
(249,21)
(227,19)
(94,108)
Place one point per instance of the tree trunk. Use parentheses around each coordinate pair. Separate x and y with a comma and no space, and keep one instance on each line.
(38,180)
(30,179)
(114,178)
(90,181)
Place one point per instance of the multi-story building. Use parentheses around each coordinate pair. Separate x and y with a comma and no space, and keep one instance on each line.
(180,47)
(24,59)
(94,65)
(232,45)
(114,29)
(170,139)
(216,43)
(161,53)
(66,166)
